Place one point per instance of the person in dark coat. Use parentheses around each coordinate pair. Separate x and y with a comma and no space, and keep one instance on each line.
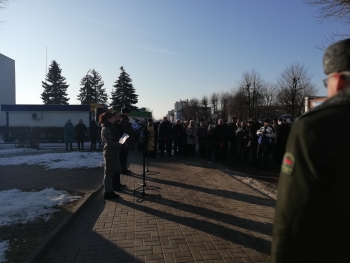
(265,134)
(124,152)
(184,139)
(177,131)
(232,137)
(80,130)
(191,132)
(202,136)
(221,138)
(165,134)
(210,141)
(242,134)
(282,132)
(110,138)
(93,130)
(69,134)
(254,126)
(312,212)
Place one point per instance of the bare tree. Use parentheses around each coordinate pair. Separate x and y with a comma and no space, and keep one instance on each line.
(294,84)
(194,105)
(204,103)
(224,99)
(237,104)
(334,10)
(269,94)
(4,3)
(251,86)
(214,99)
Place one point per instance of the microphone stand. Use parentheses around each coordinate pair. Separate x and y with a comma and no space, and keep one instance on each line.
(144,186)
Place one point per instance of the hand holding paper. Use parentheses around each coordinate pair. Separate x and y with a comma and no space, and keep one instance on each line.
(123,138)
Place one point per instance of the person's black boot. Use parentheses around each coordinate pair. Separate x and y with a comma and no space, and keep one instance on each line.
(116,182)
(110,196)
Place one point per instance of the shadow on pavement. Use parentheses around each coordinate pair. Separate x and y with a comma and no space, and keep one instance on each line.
(89,238)
(222,193)
(228,234)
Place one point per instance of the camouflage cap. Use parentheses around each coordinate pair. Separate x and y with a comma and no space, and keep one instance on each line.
(337,57)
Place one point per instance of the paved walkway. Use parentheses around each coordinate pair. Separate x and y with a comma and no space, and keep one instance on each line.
(203,215)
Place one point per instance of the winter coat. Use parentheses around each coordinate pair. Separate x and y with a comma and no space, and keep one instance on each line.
(191,135)
(242,135)
(221,134)
(202,135)
(93,129)
(110,138)
(312,212)
(265,134)
(177,131)
(80,130)
(125,123)
(68,133)
(165,130)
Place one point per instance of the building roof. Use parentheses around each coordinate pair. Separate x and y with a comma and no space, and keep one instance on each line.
(46,107)
(6,57)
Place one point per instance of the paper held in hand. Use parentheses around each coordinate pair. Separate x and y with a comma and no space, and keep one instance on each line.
(123,138)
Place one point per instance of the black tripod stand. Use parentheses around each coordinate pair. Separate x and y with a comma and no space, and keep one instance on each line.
(144,186)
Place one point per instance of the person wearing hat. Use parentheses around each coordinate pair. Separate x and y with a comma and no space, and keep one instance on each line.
(124,151)
(265,133)
(312,212)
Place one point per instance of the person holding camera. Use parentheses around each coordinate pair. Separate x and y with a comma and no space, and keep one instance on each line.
(265,133)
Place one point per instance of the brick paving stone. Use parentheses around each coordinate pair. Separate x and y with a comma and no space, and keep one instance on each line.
(203,214)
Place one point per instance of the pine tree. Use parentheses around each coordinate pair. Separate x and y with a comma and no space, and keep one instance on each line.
(55,86)
(86,93)
(92,89)
(97,84)
(124,93)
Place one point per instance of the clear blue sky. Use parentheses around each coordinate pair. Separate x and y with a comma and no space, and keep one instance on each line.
(172,49)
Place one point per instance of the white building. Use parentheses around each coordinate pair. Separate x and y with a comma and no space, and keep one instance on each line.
(45,115)
(178,106)
(170,115)
(7,84)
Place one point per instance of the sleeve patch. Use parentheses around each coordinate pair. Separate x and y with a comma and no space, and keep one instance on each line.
(288,164)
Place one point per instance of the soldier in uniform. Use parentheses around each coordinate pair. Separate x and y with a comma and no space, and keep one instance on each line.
(312,212)
(124,151)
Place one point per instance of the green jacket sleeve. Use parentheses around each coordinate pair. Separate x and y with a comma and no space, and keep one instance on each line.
(299,185)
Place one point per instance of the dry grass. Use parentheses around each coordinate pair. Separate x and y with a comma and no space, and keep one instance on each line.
(24,238)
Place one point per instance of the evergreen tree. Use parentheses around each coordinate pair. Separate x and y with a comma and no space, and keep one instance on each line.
(124,93)
(55,86)
(92,88)
(85,93)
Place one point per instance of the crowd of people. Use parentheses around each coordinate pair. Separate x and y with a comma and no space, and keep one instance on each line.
(252,142)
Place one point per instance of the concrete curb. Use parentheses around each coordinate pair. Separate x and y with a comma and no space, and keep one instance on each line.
(46,245)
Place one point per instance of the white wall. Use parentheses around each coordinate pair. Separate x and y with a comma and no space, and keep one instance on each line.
(7,84)
(49,118)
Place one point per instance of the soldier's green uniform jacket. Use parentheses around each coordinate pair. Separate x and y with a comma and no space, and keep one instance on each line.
(312,219)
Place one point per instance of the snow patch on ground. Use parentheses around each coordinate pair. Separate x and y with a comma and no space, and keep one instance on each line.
(22,207)
(3,247)
(69,160)
(263,187)
(20,150)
